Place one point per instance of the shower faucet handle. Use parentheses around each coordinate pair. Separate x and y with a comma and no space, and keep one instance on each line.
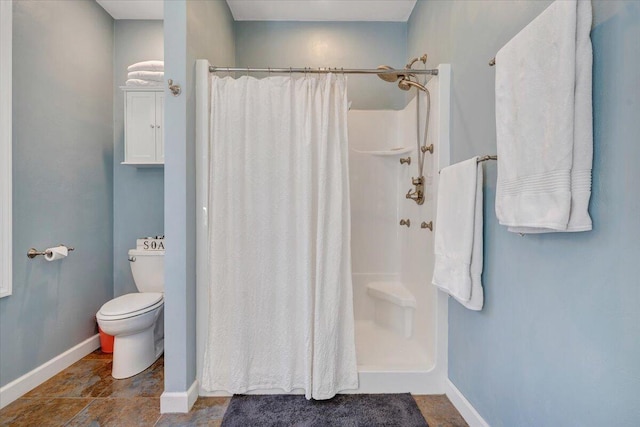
(426,148)
(406,222)
(415,195)
(428,225)
(407,160)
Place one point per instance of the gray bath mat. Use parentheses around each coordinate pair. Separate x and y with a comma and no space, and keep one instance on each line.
(344,410)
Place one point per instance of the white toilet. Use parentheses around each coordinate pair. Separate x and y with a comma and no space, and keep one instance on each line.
(136,320)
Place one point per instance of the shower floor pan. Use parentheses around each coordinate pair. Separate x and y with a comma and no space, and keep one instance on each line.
(390,363)
(381,349)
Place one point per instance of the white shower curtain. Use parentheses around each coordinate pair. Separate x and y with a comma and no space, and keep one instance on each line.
(281,299)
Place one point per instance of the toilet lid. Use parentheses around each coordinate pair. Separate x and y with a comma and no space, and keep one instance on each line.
(130,303)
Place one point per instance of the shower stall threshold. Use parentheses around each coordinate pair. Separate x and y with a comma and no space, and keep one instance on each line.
(390,363)
(372,382)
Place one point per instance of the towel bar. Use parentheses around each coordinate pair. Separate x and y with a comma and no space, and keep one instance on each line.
(481,159)
(485,158)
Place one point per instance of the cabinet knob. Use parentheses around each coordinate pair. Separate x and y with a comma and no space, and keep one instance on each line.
(158,126)
(152,126)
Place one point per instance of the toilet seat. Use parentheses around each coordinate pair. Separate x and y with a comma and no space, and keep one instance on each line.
(130,305)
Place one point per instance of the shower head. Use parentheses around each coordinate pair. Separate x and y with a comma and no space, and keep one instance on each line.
(388,77)
(406,84)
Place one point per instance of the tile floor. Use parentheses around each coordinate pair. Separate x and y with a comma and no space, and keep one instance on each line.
(85,394)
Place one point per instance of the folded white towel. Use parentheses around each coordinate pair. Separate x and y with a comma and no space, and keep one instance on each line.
(458,233)
(138,82)
(147,66)
(156,76)
(544,122)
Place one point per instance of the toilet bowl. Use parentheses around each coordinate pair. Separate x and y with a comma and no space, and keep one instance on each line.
(136,320)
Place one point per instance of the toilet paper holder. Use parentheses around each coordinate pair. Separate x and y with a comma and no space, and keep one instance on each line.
(33,252)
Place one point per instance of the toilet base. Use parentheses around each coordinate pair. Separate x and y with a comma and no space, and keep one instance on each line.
(134,353)
(138,339)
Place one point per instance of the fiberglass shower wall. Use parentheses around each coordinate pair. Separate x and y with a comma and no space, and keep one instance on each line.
(395,306)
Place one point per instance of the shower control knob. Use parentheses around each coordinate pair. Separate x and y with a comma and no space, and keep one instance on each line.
(406,222)
(428,225)
(407,161)
(426,148)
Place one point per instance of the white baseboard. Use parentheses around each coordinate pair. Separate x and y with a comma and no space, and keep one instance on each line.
(37,376)
(468,412)
(179,401)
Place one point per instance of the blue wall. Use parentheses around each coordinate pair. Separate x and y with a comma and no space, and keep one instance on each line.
(62,180)
(138,193)
(194,30)
(330,44)
(558,342)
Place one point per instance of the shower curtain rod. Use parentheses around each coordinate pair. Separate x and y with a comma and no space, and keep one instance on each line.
(309,70)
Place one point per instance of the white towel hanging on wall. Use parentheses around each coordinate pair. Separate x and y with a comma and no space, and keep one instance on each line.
(544,123)
(458,233)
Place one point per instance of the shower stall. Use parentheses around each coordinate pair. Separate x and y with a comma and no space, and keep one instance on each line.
(400,318)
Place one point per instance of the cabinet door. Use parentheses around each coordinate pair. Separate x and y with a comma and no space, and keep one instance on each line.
(140,127)
(160,127)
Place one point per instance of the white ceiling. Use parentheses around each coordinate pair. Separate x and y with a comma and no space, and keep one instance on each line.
(133,9)
(321,10)
(279,10)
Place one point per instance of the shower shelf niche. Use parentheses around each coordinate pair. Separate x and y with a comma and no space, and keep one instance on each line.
(391,152)
(394,305)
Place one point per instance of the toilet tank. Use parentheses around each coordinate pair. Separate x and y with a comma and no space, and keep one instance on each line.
(147,268)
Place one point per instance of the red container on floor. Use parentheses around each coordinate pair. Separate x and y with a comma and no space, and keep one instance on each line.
(106,342)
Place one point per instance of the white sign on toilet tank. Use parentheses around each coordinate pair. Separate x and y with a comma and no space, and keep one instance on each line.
(150,243)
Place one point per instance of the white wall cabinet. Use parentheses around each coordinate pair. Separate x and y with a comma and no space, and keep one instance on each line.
(143,127)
